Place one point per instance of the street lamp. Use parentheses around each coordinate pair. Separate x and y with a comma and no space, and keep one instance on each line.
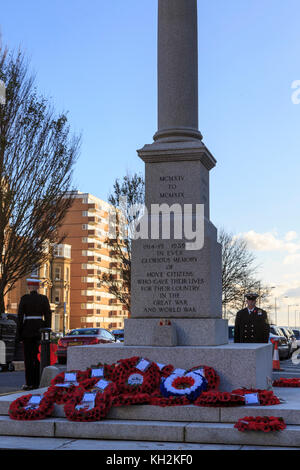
(295,318)
(292,305)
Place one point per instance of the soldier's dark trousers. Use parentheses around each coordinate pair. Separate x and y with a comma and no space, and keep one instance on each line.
(32,364)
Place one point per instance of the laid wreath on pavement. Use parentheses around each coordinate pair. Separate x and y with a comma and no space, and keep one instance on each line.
(91,404)
(260,423)
(213,379)
(31,407)
(157,399)
(100,370)
(215,398)
(181,383)
(136,375)
(291,382)
(264,397)
(64,385)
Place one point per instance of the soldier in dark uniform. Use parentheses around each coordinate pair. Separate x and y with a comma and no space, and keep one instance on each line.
(251,323)
(33,313)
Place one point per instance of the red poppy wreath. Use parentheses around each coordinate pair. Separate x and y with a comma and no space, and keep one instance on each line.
(63,385)
(213,379)
(136,375)
(260,423)
(214,398)
(265,397)
(31,407)
(91,401)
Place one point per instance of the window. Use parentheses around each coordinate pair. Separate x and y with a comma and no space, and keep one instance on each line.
(35,271)
(57,296)
(57,273)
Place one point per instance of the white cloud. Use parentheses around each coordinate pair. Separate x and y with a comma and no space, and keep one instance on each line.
(291,259)
(291,235)
(269,241)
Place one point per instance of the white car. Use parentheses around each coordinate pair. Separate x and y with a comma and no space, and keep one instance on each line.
(297,334)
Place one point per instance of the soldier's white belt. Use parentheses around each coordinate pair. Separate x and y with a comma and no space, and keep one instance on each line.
(33,318)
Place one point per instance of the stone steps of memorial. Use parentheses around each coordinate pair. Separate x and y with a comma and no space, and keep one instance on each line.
(167,424)
(164,431)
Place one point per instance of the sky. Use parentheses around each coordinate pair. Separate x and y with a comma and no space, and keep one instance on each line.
(96,59)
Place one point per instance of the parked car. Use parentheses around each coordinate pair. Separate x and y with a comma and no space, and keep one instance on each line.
(80,337)
(282,342)
(292,336)
(279,331)
(118,334)
(297,335)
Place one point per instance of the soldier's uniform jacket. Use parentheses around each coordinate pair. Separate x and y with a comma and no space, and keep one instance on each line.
(251,327)
(33,313)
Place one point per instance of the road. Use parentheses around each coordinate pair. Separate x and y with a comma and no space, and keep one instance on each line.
(11,381)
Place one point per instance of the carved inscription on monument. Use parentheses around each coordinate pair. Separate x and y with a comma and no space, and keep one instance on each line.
(173,186)
(170,279)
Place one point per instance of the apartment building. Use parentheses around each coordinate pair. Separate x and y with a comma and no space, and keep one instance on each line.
(86,229)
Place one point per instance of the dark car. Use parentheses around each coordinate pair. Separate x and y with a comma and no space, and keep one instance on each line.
(118,334)
(282,342)
(80,337)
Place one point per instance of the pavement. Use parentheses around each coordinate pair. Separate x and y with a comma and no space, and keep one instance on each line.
(150,449)
(42,444)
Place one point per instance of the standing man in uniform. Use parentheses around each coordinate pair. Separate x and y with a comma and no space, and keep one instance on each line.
(251,323)
(33,313)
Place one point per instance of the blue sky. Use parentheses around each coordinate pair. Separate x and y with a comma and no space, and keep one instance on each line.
(97,59)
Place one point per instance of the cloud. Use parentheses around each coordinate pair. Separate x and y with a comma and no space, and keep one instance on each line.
(269,241)
(291,235)
(294,292)
(291,259)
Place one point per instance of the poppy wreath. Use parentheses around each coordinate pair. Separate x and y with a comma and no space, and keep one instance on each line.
(157,400)
(103,400)
(17,409)
(108,370)
(80,375)
(260,423)
(214,398)
(190,385)
(266,397)
(292,382)
(89,384)
(131,379)
(213,379)
(61,394)
(166,370)
(125,399)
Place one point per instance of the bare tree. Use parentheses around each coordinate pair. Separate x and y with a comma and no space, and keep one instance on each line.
(128,198)
(37,155)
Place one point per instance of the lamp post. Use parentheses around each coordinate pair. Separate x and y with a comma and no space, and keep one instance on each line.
(296,317)
(292,305)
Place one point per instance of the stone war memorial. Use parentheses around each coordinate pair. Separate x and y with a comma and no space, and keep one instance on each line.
(175,378)
(176,291)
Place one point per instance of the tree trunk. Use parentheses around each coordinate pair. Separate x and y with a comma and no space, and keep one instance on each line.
(2,304)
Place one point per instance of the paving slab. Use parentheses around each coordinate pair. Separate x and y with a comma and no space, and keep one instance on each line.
(121,429)
(225,433)
(39,428)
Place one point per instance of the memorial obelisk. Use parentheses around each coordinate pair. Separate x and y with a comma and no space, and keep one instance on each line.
(176,288)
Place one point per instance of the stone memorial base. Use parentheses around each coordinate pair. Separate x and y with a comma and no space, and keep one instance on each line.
(238,365)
